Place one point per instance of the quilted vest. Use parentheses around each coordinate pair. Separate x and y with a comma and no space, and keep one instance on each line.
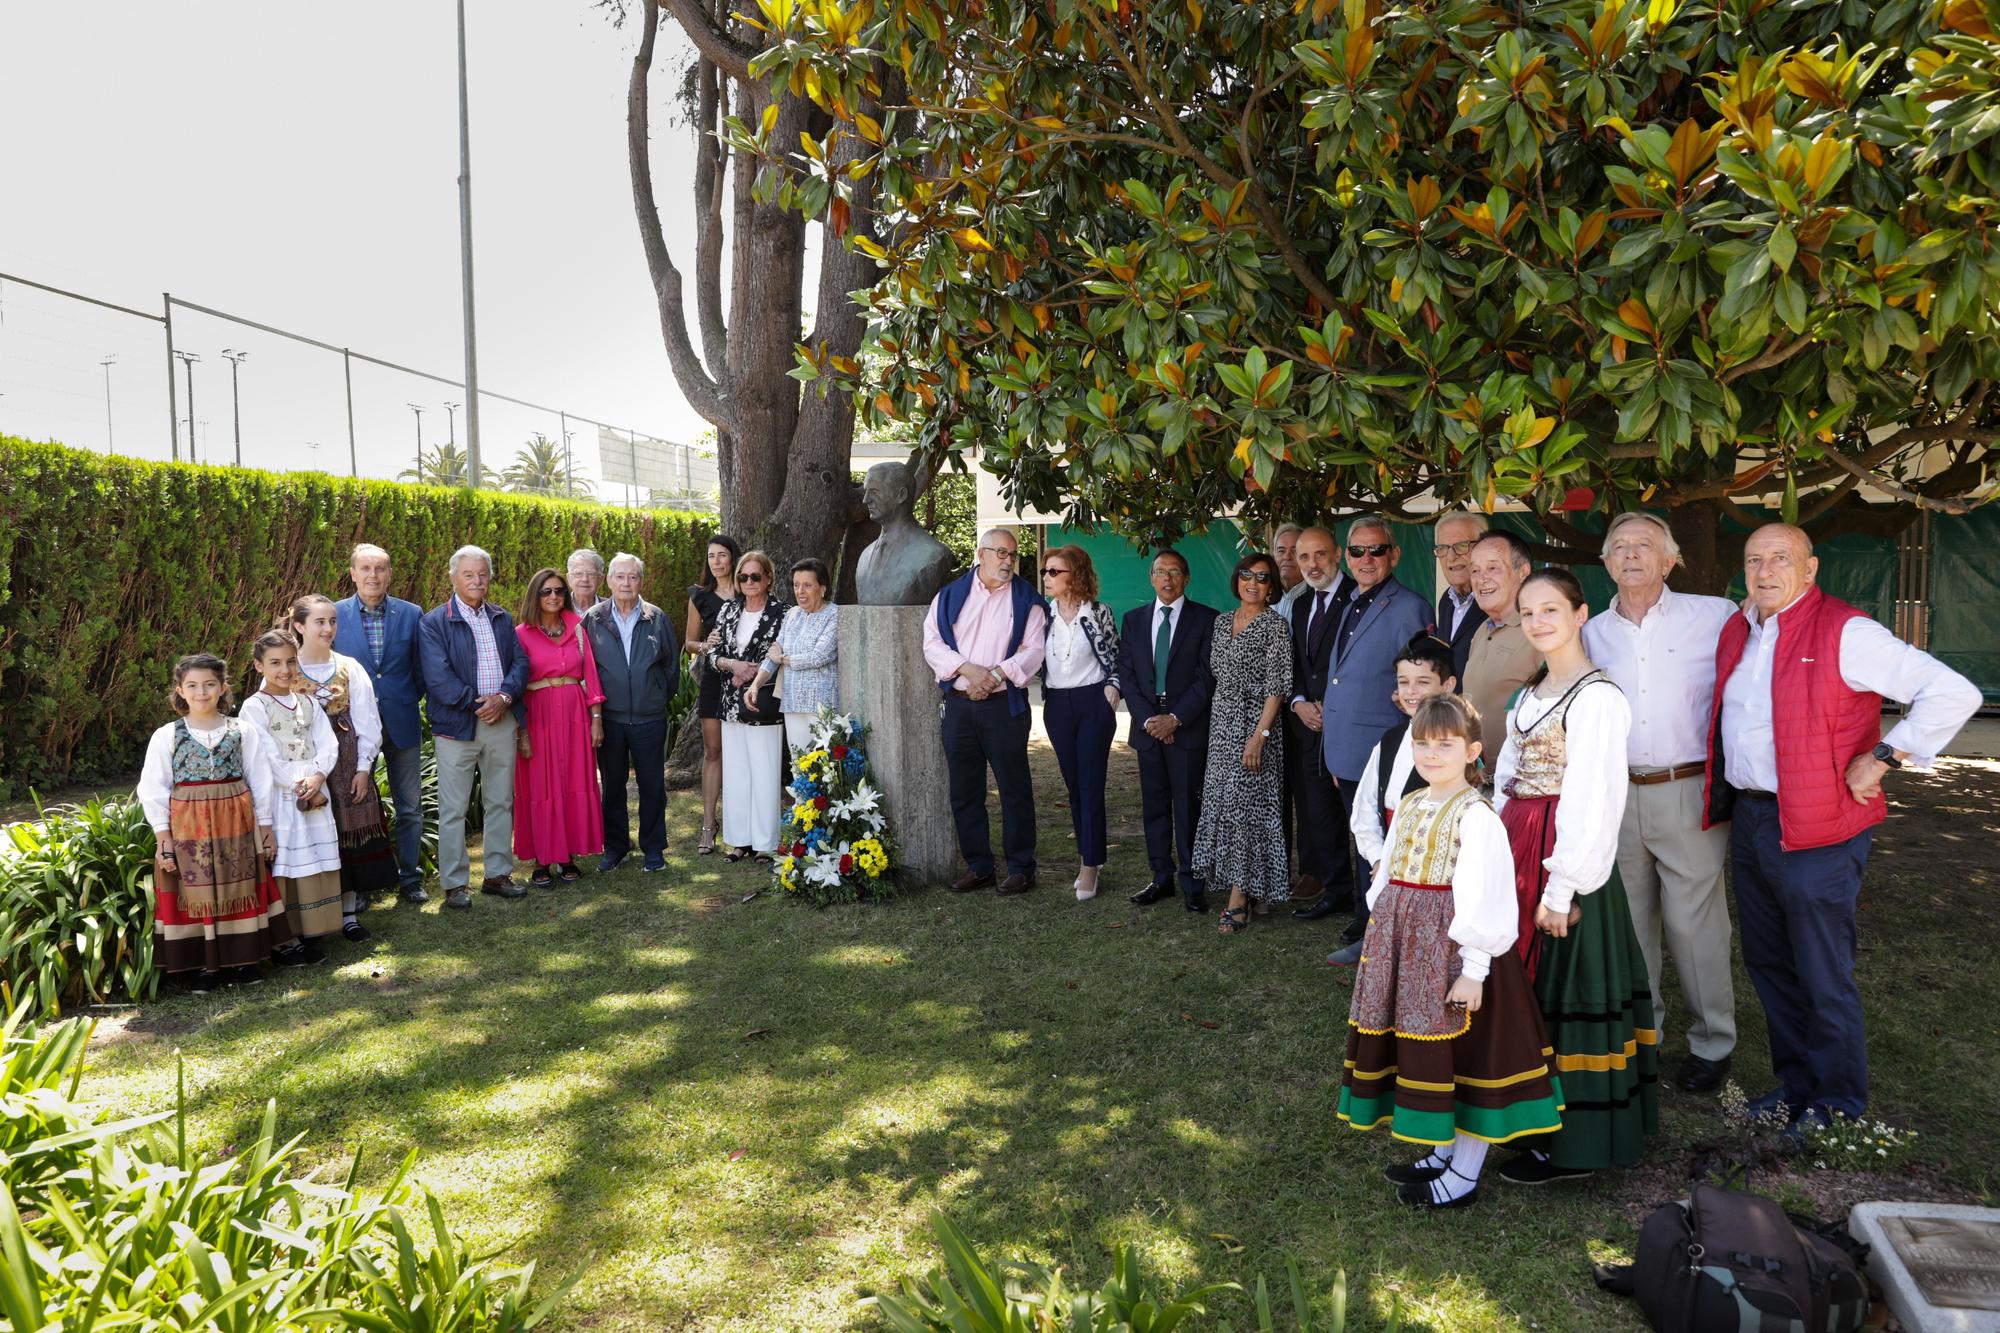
(1818,727)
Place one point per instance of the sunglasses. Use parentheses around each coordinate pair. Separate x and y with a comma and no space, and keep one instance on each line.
(1378,550)
(749,578)
(1050,571)
(555,590)
(1256,575)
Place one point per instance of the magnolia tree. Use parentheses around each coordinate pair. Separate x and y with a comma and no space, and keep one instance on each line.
(1159,259)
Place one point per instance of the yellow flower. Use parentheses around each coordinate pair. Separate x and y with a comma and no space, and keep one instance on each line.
(805,814)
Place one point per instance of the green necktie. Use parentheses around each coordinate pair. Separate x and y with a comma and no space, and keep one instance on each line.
(1162,642)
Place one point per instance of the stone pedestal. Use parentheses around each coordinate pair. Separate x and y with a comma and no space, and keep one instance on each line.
(885,682)
(1936,1264)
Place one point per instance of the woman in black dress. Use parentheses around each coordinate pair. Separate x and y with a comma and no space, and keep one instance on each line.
(705,602)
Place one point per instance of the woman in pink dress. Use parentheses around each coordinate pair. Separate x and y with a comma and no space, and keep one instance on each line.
(557,816)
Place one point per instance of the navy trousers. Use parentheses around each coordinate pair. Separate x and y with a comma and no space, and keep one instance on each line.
(1170,780)
(641,747)
(1795,914)
(406,794)
(1080,724)
(982,734)
(1319,815)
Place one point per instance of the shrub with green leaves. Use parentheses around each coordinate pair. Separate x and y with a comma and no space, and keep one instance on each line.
(136,1232)
(110,568)
(76,905)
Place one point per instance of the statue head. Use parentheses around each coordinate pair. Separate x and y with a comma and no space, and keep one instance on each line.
(888,491)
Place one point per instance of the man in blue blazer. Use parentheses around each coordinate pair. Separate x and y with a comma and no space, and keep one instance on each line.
(475,673)
(1167,696)
(380,632)
(1358,704)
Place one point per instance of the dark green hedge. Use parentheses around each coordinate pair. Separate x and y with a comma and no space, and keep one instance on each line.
(110,568)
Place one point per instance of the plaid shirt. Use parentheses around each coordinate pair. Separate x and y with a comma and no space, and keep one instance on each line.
(375,624)
(489,673)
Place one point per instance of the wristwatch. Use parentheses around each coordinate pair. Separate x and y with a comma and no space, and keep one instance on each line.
(1265,732)
(1887,754)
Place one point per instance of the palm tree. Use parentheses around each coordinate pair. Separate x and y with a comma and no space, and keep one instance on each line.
(539,469)
(442,466)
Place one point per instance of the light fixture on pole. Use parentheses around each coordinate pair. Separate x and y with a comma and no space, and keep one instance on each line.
(451,423)
(188,359)
(420,438)
(110,439)
(314,446)
(235,359)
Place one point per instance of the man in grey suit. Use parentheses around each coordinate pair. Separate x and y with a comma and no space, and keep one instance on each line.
(1379,618)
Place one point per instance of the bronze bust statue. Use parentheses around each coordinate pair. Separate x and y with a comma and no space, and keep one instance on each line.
(905,566)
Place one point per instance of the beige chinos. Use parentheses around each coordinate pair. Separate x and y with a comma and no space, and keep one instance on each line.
(1672,869)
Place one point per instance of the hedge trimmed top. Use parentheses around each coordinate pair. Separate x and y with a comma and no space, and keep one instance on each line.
(112,567)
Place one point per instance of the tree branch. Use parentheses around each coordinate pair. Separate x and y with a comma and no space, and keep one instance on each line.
(709,187)
(1880,483)
(701,392)
(1764,360)
(718,47)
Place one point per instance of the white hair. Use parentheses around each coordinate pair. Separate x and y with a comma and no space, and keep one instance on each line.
(365,548)
(1373,522)
(585,553)
(627,558)
(1478,521)
(466,553)
(1673,548)
(999,532)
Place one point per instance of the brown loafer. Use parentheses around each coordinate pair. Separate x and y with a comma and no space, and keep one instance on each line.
(971,882)
(501,886)
(1014,884)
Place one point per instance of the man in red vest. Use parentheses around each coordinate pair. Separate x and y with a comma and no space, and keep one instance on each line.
(1796,748)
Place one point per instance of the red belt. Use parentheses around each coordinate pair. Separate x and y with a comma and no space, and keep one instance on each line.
(1434,888)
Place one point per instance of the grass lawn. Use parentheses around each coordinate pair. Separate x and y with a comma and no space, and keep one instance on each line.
(740,1114)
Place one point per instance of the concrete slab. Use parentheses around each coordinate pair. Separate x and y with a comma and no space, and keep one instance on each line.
(1936,1264)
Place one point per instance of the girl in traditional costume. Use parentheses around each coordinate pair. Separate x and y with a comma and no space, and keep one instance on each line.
(345,694)
(304,751)
(206,790)
(1444,1040)
(1561,783)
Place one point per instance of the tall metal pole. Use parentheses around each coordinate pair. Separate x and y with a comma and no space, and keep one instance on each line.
(110,440)
(347,369)
(569,472)
(235,359)
(173,408)
(187,362)
(465,255)
(420,438)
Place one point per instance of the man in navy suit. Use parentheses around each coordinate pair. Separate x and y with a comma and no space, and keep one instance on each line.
(1459,616)
(380,632)
(1167,696)
(1316,832)
(1358,703)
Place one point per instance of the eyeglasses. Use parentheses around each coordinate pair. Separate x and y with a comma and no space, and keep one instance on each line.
(1050,571)
(749,578)
(1256,575)
(555,591)
(1377,551)
(1444,549)
(1002,552)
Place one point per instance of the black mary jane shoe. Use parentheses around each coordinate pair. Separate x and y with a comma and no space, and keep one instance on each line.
(1409,1173)
(1419,1195)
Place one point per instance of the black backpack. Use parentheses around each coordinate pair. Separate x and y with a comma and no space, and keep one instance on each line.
(1724,1259)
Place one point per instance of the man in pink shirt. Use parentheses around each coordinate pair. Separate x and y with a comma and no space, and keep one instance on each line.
(983,637)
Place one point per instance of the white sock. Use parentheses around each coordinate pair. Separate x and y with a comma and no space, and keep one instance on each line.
(1461,1176)
(347,918)
(1437,1159)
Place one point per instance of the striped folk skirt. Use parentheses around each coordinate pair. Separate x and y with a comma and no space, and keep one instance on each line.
(1597,1004)
(1430,1071)
(214,828)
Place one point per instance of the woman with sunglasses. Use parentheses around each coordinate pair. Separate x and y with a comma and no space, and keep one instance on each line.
(753,738)
(1240,839)
(557,814)
(1080,698)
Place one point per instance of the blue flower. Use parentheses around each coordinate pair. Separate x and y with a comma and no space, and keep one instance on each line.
(855,764)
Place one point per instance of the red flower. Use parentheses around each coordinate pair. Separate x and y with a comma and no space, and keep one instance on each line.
(840,752)
(846,865)
(819,802)
(798,849)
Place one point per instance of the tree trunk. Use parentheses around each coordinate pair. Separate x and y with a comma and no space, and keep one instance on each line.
(1704,567)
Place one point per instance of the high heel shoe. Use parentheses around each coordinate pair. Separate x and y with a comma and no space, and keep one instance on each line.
(706,847)
(1085,893)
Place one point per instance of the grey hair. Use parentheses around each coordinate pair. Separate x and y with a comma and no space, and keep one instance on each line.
(585,553)
(1479,522)
(1001,532)
(626,557)
(1287,530)
(365,548)
(1673,547)
(466,553)
(1374,521)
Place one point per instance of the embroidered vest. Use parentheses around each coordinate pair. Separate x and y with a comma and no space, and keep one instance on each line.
(195,762)
(1541,750)
(1426,847)
(291,728)
(330,695)
(1820,725)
